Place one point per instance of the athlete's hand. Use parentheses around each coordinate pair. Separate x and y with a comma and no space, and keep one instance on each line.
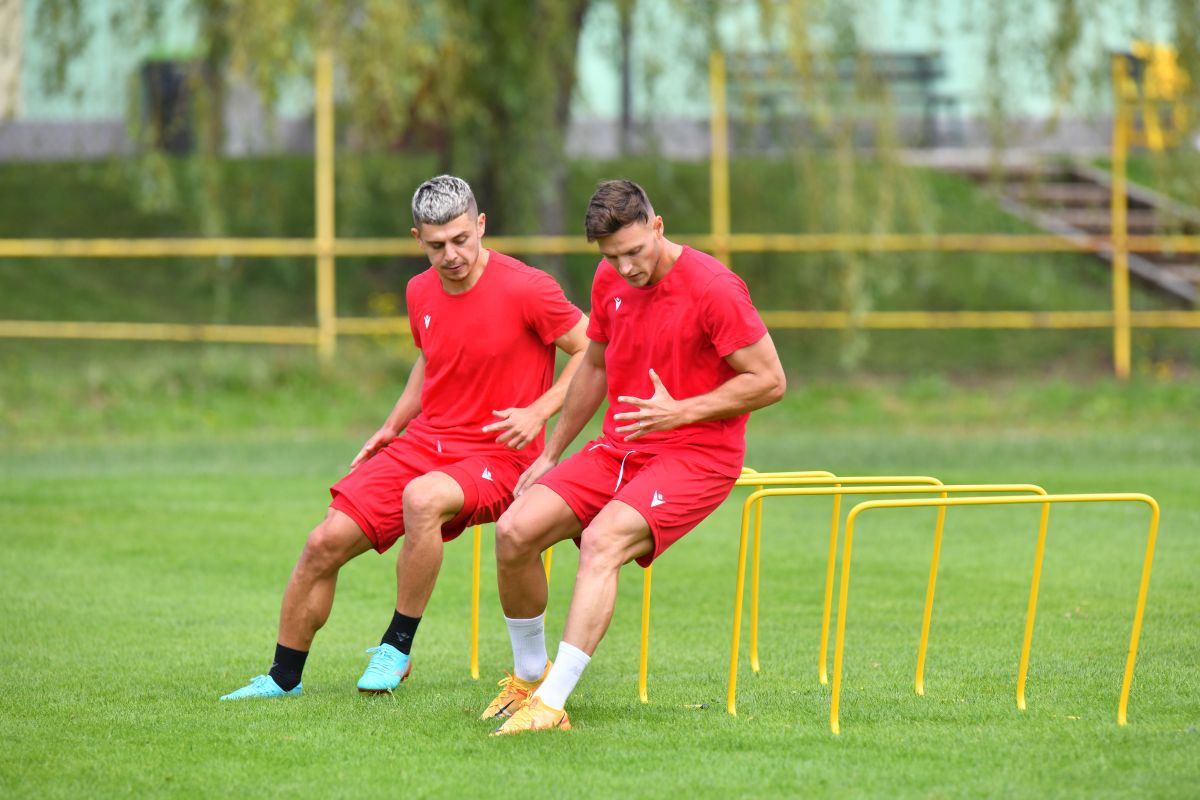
(659,412)
(540,466)
(376,443)
(519,426)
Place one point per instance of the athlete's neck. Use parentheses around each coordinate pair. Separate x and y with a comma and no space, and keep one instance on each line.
(667,257)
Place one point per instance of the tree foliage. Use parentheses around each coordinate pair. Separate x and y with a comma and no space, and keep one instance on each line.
(485,87)
(486,84)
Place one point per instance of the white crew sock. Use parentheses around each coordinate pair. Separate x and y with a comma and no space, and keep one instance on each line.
(565,673)
(529,646)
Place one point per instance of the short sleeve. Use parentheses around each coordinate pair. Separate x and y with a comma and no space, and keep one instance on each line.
(409,299)
(547,310)
(730,318)
(597,329)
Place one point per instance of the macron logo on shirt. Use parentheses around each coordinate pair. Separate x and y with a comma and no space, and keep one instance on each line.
(427,318)
(617,302)
(487,474)
(657,499)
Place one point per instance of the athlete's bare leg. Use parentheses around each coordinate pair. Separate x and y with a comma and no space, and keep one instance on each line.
(617,535)
(309,594)
(430,501)
(536,520)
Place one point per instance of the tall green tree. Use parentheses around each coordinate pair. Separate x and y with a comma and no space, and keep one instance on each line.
(485,83)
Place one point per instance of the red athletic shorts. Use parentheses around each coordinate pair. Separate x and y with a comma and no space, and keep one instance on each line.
(372,494)
(673,494)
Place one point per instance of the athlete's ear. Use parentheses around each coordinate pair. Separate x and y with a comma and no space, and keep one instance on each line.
(481,223)
(416,234)
(657,225)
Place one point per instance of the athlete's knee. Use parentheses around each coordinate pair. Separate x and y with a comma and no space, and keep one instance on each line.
(516,540)
(336,540)
(598,553)
(604,549)
(428,498)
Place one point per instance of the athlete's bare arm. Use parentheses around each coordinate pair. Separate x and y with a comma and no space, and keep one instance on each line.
(584,395)
(406,408)
(520,426)
(760,381)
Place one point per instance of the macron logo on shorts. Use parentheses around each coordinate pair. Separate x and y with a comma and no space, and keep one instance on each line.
(657,500)
(487,474)
(427,318)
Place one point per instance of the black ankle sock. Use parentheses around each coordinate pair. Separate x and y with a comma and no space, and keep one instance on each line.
(288,666)
(401,632)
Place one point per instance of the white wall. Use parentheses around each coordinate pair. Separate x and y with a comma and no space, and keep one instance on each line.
(11,40)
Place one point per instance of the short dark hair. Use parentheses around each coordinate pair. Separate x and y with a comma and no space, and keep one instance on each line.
(614,205)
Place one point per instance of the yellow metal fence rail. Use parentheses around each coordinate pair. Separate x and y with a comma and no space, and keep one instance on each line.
(325,248)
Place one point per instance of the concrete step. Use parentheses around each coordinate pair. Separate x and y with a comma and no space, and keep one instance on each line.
(1173,259)
(1140,196)
(1074,202)
(1139,266)
(1074,195)
(1095,220)
(1103,216)
(1186,272)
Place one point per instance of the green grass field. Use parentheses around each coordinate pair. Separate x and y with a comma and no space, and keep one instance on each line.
(147,540)
(154,498)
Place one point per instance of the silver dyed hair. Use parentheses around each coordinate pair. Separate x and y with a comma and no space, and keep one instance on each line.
(441,199)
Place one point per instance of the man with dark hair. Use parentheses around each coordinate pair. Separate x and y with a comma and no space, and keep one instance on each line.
(471,416)
(614,205)
(683,357)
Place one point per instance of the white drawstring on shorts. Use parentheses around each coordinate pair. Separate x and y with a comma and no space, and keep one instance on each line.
(621,471)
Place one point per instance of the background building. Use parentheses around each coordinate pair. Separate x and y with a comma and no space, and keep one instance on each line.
(961,73)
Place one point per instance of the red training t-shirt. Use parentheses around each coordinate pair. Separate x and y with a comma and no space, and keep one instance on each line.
(683,326)
(489,348)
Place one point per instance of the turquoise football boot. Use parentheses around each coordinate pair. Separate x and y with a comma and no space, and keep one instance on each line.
(261,686)
(387,668)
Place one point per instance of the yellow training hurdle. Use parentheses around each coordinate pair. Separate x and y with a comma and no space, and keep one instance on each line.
(803,484)
(942,489)
(836,481)
(749,477)
(476,544)
(1045,501)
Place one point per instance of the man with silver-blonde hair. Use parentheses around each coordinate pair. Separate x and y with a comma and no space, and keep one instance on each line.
(441,199)
(469,422)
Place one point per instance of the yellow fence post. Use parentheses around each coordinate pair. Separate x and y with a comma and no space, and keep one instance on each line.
(1120,233)
(719,160)
(326,284)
